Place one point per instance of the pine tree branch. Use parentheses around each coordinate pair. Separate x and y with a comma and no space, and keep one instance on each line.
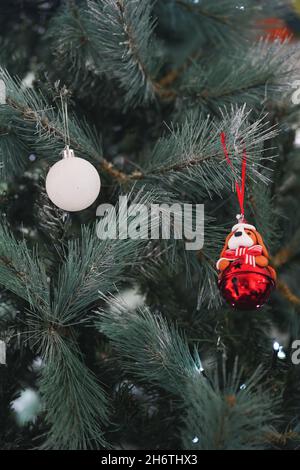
(163,85)
(153,351)
(90,264)
(131,41)
(162,354)
(197,8)
(251,74)
(191,154)
(119,175)
(283,256)
(48,127)
(288,294)
(185,165)
(184,139)
(237,16)
(76,406)
(287,253)
(21,271)
(274,437)
(8,264)
(125,28)
(74,424)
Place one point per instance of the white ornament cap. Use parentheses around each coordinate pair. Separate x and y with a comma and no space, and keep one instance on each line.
(68,152)
(242,224)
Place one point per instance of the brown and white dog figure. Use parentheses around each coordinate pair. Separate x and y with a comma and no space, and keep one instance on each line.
(245,243)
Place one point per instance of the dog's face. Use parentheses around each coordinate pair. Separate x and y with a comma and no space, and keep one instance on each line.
(243,237)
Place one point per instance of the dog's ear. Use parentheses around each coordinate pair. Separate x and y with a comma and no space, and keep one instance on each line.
(226,245)
(261,243)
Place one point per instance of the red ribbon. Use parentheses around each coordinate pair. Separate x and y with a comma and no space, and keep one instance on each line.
(240,190)
(255,250)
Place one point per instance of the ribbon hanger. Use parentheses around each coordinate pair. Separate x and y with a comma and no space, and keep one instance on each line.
(240,189)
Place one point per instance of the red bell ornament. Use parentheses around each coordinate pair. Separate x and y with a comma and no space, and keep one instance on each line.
(246,279)
(244,288)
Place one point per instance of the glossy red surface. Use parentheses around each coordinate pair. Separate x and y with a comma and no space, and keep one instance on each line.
(245,287)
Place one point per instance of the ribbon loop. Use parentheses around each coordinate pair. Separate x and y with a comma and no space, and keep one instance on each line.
(240,189)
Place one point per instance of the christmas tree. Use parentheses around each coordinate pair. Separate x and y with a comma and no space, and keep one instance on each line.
(111,337)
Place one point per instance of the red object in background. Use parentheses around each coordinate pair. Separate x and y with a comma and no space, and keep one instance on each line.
(246,287)
(275,28)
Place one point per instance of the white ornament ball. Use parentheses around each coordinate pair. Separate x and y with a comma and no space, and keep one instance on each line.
(27,406)
(72,184)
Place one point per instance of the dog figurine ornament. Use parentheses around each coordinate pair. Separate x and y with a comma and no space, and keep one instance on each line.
(246,278)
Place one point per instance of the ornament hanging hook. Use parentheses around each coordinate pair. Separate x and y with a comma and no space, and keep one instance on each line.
(240,218)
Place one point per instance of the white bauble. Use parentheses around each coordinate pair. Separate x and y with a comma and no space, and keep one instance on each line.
(73,183)
(27,406)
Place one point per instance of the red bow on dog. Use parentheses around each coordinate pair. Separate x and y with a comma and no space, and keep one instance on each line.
(245,254)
